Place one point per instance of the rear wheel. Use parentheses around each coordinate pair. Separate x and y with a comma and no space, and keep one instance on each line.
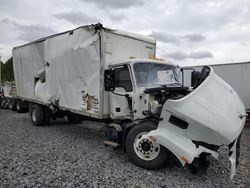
(12,105)
(40,115)
(37,115)
(19,107)
(4,103)
(22,106)
(46,115)
(145,152)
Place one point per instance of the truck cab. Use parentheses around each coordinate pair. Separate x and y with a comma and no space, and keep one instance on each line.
(163,116)
(134,86)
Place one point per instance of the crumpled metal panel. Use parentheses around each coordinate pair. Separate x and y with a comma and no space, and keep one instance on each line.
(72,70)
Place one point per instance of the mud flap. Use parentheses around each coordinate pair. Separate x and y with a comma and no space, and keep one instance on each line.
(234,155)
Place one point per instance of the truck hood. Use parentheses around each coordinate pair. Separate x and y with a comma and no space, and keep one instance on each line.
(214,112)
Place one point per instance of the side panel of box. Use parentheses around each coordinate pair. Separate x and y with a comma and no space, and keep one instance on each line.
(70,64)
(27,62)
(122,47)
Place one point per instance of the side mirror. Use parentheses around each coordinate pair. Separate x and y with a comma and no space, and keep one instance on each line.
(194,77)
(109,80)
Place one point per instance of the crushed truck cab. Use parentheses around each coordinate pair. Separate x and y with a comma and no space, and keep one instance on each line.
(210,116)
(189,122)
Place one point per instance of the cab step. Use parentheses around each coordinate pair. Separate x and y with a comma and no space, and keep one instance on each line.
(114,145)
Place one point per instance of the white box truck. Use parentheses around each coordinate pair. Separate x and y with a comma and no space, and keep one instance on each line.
(112,76)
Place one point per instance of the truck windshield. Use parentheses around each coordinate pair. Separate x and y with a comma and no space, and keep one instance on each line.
(154,74)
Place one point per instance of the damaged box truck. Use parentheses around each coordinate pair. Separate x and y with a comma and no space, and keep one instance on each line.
(96,73)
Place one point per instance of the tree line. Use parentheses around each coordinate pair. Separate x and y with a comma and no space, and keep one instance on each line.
(7,73)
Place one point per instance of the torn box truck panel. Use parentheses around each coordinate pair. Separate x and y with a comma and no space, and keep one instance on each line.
(67,69)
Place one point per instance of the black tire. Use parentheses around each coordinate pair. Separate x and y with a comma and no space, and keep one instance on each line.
(12,105)
(159,161)
(7,102)
(19,107)
(4,104)
(73,118)
(37,115)
(200,165)
(46,115)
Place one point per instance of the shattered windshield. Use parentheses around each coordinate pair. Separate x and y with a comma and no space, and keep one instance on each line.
(155,74)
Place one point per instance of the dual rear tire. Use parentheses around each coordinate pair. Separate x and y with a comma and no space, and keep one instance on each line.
(21,106)
(39,115)
(12,104)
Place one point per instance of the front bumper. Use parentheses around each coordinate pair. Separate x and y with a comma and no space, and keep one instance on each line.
(186,151)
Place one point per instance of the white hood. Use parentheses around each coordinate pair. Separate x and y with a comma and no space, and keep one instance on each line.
(213,111)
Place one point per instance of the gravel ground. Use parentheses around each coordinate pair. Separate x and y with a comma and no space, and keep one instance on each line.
(73,155)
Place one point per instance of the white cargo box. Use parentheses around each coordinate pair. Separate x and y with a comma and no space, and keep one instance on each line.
(67,69)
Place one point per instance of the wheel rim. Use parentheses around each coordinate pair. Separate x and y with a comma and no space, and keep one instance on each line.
(33,115)
(145,148)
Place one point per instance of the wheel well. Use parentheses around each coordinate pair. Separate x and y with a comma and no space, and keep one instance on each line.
(128,126)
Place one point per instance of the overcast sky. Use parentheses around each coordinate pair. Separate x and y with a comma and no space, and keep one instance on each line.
(187,31)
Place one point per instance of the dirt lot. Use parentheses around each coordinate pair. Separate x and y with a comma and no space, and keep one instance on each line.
(73,155)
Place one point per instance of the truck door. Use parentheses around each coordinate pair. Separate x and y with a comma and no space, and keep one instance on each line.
(121,97)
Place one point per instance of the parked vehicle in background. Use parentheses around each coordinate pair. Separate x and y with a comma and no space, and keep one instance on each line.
(6,97)
(112,76)
(9,99)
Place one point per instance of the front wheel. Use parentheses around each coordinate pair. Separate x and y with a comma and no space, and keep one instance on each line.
(145,152)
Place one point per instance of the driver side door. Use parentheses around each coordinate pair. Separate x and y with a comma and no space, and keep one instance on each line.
(121,97)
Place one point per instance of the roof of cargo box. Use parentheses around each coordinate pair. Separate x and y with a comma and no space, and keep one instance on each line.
(97,27)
